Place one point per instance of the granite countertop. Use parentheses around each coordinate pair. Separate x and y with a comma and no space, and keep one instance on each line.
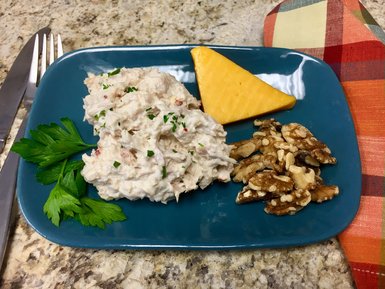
(34,262)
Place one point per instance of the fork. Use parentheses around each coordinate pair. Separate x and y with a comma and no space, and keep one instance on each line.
(8,174)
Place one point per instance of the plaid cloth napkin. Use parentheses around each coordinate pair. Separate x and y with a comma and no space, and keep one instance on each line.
(344,35)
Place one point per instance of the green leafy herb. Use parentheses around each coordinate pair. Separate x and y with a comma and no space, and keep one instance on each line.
(174,125)
(68,200)
(105,86)
(98,213)
(151,116)
(61,200)
(50,147)
(175,122)
(116,71)
(50,144)
(150,153)
(51,174)
(99,115)
(164,172)
(116,164)
(129,89)
(175,151)
(150,113)
(202,145)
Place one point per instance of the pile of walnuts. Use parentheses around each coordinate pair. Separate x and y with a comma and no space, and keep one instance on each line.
(280,165)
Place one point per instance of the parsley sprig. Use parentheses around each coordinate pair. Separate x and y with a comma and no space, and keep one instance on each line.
(50,147)
(68,200)
(51,174)
(50,144)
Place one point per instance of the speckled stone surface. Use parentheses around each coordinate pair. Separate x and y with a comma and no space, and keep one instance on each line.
(33,262)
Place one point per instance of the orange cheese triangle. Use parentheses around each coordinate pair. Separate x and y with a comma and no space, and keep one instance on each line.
(229,92)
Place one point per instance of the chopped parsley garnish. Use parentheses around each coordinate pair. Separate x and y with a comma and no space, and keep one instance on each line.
(151,116)
(173,126)
(116,164)
(129,89)
(98,116)
(150,113)
(202,145)
(191,152)
(167,116)
(164,172)
(150,153)
(105,86)
(116,71)
(175,151)
(175,121)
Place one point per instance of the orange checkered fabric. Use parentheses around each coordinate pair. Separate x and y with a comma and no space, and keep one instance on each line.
(344,35)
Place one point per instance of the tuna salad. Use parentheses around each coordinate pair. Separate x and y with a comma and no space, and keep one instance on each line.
(154,141)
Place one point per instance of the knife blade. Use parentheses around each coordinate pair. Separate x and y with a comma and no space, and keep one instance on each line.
(13,88)
(8,174)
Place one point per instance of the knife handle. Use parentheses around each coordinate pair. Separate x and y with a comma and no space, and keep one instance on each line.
(8,177)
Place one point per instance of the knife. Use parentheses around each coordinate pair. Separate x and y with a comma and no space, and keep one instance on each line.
(14,86)
(8,174)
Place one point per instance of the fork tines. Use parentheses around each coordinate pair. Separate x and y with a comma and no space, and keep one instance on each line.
(51,52)
(33,77)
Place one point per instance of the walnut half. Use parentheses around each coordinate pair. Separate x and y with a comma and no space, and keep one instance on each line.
(324,193)
(248,195)
(289,203)
(270,181)
(245,148)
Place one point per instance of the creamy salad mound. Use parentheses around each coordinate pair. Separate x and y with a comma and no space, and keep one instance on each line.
(154,142)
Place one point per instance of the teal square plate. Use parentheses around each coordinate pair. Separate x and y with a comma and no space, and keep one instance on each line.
(204,219)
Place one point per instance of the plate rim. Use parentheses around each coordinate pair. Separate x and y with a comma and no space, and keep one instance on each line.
(305,240)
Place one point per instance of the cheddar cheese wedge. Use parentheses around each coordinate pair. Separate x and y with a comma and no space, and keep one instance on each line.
(230,93)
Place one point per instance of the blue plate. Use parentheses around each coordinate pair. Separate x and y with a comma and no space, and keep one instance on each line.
(204,219)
